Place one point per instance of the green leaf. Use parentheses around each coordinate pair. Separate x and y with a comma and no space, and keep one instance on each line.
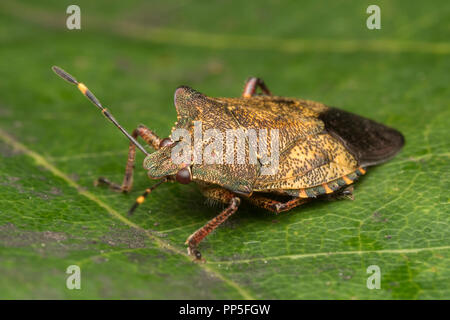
(132,55)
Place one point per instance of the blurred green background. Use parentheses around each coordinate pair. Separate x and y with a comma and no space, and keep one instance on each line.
(132,55)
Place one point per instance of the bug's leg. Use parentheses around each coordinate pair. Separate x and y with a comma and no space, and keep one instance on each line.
(252,84)
(343,194)
(221,195)
(274,205)
(150,138)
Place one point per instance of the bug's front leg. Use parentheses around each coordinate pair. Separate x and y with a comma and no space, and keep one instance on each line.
(252,84)
(151,139)
(217,194)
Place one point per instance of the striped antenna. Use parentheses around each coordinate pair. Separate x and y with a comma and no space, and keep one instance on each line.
(84,90)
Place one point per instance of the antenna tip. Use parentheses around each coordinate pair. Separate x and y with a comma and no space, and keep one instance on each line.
(64,75)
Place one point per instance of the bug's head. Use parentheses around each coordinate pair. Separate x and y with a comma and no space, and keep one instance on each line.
(161,164)
(175,153)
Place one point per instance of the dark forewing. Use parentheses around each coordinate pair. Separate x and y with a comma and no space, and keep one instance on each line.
(370,142)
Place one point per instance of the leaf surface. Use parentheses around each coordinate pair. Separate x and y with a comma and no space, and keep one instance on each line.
(132,55)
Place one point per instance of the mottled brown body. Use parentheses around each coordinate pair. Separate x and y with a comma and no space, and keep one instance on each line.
(314,159)
(320,150)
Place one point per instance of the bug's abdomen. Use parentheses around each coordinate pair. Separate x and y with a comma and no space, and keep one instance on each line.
(308,163)
(329,187)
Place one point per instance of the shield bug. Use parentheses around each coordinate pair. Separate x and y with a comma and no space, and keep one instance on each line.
(317,150)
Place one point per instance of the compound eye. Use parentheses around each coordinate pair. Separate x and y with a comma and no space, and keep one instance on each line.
(165,142)
(184,175)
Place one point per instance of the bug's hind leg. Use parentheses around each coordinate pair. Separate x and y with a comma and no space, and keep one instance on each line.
(151,139)
(275,205)
(252,84)
(343,194)
(221,195)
